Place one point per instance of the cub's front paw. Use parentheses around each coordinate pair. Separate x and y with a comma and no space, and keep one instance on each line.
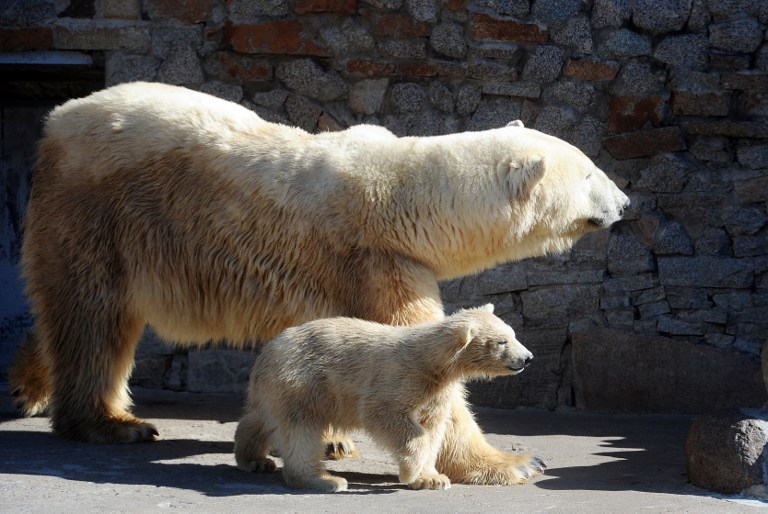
(437,481)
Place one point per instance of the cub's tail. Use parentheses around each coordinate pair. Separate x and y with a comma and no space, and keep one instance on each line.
(30,377)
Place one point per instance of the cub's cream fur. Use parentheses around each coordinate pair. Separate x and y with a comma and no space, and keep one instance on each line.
(154,204)
(397,383)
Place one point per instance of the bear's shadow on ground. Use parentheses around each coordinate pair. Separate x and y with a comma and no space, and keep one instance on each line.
(43,453)
(642,460)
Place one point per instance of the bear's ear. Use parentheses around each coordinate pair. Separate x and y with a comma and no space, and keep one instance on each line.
(516,123)
(524,175)
(488,307)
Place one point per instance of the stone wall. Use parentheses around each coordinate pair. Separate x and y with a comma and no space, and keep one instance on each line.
(670,97)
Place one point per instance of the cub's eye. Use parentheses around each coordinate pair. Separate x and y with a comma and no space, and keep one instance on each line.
(589,176)
(502,342)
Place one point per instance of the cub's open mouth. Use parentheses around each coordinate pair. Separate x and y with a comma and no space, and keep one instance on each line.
(516,370)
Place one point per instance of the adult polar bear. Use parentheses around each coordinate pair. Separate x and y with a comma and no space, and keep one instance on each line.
(156,204)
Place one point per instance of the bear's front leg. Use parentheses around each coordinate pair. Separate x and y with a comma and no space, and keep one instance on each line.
(467,458)
(431,481)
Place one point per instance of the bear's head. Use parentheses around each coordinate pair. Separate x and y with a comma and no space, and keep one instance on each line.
(556,191)
(487,346)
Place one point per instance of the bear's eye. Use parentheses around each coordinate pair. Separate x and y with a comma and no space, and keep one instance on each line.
(589,176)
(502,341)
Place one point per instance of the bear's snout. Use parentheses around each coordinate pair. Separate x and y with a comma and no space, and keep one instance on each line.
(519,364)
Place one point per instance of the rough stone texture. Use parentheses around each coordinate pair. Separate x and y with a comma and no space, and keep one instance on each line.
(686,51)
(219,371)
(742,35)
(366,96)
(448,39)
(544,65)
(623,43)
(689,386)
(725,451)
(660,16)
(552,12)
(610,13)
(307,77)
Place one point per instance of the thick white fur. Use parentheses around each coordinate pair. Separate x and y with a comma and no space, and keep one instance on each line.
(395,382)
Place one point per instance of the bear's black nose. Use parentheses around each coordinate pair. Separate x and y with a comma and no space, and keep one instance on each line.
(528,359)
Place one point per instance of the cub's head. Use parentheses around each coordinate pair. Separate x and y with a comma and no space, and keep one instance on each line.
(559,192)
(487,346)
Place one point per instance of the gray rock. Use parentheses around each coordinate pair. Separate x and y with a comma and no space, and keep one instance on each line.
(302,112)
(754,156)
(667,173)
(761,59)
(659,16)
(272,99)
(711,149)
(494,113)
(448,39)
(724,10)
(467,99)
(580,95)
(409,97)
(403,48)
(623,43)
(744,221)
(219,371)
(166,38)
(695,81)
(521,89)
(697,376)
(545,64)
(347,38)
(499,50)
(628,256)
(27,13)
(229,92)
(121,67)
(180,66)
(744,35)
(506,7)
(367,96)
(245,10)
(610,13)
(553,12)
(431,123)
(705,270)
(622,285)
(441,96)
(700,16)
(575,34)
(555,306)
(725,452)
(556,121)
(686,51)
(637,79)
(305,76)
(713,241)
(672,239)
(385,4)
(588,136)
(422,10)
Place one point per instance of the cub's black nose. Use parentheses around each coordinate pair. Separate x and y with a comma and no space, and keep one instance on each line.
(528,359)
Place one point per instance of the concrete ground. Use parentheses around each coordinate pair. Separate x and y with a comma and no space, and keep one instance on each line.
(597,463)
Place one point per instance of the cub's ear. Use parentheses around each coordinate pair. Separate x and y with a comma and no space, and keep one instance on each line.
(464,334)
(525,175)
(516,123)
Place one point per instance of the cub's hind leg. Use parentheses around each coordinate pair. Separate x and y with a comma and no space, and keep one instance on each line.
(252,444)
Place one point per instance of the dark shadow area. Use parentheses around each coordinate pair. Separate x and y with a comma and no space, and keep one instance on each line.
(158,464)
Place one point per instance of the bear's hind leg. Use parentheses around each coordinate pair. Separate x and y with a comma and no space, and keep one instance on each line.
(302,451)
(91,359)
(30,377)
(338,445)
(467,458)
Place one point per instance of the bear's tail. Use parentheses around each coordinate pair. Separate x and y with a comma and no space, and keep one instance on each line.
(30,377)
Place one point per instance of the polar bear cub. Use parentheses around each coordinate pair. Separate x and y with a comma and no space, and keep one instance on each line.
(339,374)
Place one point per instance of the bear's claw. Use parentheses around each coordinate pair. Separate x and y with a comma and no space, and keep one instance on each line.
(338,450)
